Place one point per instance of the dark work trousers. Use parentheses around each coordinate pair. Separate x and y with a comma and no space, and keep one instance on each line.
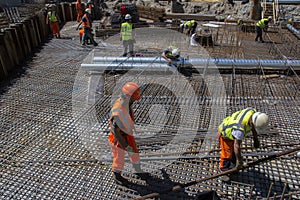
(87,34)
(258,33)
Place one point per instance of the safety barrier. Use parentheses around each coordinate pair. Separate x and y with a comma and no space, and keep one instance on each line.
(19,40)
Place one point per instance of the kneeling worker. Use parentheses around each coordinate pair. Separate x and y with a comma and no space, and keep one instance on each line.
(233,130)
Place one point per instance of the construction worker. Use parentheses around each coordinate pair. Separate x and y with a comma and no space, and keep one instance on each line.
(121,136)
(53,18)
(260,26)
(79,10)
(90,5)
(233,130)
(171,54)
(127,35)
(189,27)
(86,24)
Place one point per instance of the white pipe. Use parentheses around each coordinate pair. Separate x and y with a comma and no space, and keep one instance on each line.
(294,30)
(154,63)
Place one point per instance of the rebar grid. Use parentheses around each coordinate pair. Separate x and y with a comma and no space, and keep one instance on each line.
(45,153)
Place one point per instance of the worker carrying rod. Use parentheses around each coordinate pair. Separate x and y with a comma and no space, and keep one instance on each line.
(121,136)
(231,133)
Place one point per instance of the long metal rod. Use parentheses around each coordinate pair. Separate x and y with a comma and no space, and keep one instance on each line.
(178,187)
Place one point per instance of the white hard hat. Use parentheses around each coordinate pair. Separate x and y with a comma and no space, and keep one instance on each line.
(88,10)
(127,16)
(175,52)
(270,18)
(260,121)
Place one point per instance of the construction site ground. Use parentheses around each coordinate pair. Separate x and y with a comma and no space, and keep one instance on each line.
(53,143)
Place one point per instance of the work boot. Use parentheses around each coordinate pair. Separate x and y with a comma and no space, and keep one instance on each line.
(225,178)
(120,179)
(140,173)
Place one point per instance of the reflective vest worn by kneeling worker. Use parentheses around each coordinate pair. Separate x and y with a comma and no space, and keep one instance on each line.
(126,31)
(238,121)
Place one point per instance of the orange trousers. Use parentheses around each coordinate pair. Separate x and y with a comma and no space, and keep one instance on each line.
(227,156)
(118,152)
(79,15)
(55,28)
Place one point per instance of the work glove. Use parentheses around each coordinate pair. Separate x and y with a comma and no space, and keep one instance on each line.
(239,164)
(256,143)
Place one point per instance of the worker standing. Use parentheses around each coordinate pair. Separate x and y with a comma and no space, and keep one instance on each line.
(260,26)
(127,35)
(121,136)
(233,130)
(189,27)
(53,18)
(90,5)
(86,24)
(79,10)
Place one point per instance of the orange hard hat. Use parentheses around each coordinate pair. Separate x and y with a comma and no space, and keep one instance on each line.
(132,89)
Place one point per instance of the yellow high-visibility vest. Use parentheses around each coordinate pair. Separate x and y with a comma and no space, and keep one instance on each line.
(239,121)
(52,16)
(262,23)
(126,31)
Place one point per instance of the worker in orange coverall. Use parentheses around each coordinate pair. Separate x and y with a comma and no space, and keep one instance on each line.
(121,136)
(79,10)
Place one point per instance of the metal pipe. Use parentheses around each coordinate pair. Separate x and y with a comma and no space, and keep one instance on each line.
(159,63)
(293,30)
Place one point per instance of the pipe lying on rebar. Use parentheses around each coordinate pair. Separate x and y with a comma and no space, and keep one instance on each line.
(293,30)
(121,63)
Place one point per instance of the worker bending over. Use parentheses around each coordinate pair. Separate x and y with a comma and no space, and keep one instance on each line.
(233,130)
(189,27)
(171,54)
(121,136)
(260,26)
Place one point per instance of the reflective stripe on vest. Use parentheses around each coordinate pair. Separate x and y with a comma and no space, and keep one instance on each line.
(127,120)
(238,121)
(86,24)
(262,23)
(52,16)
(126,31)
